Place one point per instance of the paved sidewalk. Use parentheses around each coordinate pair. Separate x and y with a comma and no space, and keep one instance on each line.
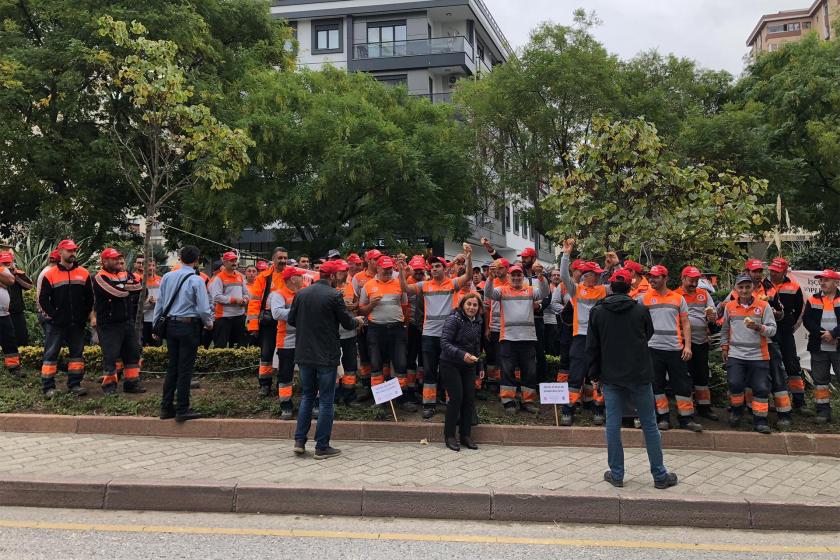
(413,465)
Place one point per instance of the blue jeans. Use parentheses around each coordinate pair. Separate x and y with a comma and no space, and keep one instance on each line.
(642,397)
(316,381)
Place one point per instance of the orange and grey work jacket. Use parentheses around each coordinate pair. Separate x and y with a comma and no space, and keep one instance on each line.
(697,304)
(228,292)
(265,282)
(281,303)
(582,298)
(517,310)
(744,343)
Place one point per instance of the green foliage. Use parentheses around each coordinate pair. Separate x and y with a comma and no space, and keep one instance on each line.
(625,195)
(816,257)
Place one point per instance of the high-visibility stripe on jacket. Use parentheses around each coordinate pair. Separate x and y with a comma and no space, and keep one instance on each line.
(349,295)
(67,295)
(438,303)
(152,291)
(641,288)
(495,309)
(360,279)
(390,308)
(517,311)
(744,343)
(281,303)
(112,300)
(275,281)
(227,292)
(822,314)
(583,301)
(414,305)
(697,304)
(667,312)
(793,302)
(468,288)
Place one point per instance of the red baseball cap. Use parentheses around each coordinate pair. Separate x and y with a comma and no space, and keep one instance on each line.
(354,259)
(578,264)
(385,262)
(417,263)
(528,252)
(261,265)
(67,245)
(110,253)
(373,255)
(6,257)
(340,265)
(779,265)
(633,266)
(622,275)
(658,270)
(230,256)
(516,268)
(754,264)
(504,262)
(440,260)
(590,266)
(54,256)
(691,272)
(291,271)
(829,274)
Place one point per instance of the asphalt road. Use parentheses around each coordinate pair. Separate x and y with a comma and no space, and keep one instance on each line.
(57,534)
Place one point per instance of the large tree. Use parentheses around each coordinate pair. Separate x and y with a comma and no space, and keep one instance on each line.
(341,159)
(626,194)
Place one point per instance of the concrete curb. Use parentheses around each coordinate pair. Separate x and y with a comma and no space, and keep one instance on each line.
(543,436)
(614,508)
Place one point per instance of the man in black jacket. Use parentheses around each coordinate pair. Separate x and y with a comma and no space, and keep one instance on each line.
(315,314)
(616,345)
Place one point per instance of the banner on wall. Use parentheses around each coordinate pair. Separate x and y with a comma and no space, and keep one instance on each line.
(810,286)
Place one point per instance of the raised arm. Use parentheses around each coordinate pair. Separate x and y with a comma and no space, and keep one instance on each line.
(571,287)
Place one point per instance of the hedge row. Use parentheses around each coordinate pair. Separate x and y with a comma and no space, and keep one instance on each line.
(244,360)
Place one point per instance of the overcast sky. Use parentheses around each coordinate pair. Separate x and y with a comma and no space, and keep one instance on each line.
(713,32)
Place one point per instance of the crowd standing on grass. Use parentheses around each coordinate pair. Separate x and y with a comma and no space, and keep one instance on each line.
(444,330)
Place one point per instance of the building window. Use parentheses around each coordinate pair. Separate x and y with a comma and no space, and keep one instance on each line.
(327,37)
(806,25)
(515,222)
(387,38)
(393,80)
(507,218)
(783,27)
(480,52)
(293,27)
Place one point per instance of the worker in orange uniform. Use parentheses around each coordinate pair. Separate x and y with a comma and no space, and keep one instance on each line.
(414,332)
(822,320)
(229,296)
(8,340)
(792,300)
(17,307)
(670,350)
(346,392)
(359,280)
(152,294)
(66,301)
(518,337)
(746,329)
(582,297)
(493,324)
(116,309)
(280,302)
(639,285)
(701,315)
(260,320)
(438,296)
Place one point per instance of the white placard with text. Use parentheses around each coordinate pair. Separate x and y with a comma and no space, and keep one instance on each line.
(554,393)
(387,391)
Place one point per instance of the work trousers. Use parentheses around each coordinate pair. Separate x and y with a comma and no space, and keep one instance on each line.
(669,368)
(56,336)
(752,373)
(21,330)
(346,392)
(790,358)
(387,342)
(285,376)
(577,377)
(459,381)
(491,354)
(9,343)
(119,343)
(519,355)
(414,355)
(821,364)
(431,360)
(268,346)
(229,332)
(698,368)
(148,339)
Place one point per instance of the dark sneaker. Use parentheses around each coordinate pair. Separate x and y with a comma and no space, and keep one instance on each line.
(567,420)
(609,478)
(365,394)
(708,414)
(667,482)
(134,388)
(428,412)
(110,389)
(188,415)
(822,419)
(763,429)
(734,420)
(530,408)
(49,394)
(79,391)
(265,391)
(663,425)
(327,453)
(300,447)
(510,410)
(599,419)
(783,424)
(408,406)
(691,426)
(286,414)
(167,413)
(806,412)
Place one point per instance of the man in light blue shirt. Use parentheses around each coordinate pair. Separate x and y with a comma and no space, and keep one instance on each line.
(189,311)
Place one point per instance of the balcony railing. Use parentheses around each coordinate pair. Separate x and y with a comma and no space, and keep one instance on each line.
(413,47)
(435,97)
(482,67)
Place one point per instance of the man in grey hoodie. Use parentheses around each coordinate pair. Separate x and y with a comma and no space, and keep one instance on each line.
(616,346)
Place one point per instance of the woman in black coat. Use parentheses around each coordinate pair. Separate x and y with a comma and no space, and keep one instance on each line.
(460,348)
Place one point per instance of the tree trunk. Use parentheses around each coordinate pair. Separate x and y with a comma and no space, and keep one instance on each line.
(147,254)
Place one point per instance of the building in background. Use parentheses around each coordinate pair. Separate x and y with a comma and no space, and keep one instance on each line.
(774,30)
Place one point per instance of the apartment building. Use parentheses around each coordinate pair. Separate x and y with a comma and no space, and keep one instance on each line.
(426,46)
(774,30)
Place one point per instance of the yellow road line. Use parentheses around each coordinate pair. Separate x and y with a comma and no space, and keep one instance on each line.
(415,537)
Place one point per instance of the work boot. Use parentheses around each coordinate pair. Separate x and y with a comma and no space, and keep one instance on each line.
(481,395)
(802,411)
(327,453)
(357,404)
(135,387)
(567,420)
(822,418)
(49,394)
(664,425)
(763,428)
(188,415)
(707,413)
(428,412)
(265,391)
(510,410)
(734,419)
(365,394)
(530,408)
(598,419)
(17,373)
(78,391)
(609,478)
(669,480)
(783,423)
(408,406)
(691,426)
(110,389)
(286,414)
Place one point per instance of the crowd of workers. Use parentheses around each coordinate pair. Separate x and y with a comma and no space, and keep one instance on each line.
(522,313)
